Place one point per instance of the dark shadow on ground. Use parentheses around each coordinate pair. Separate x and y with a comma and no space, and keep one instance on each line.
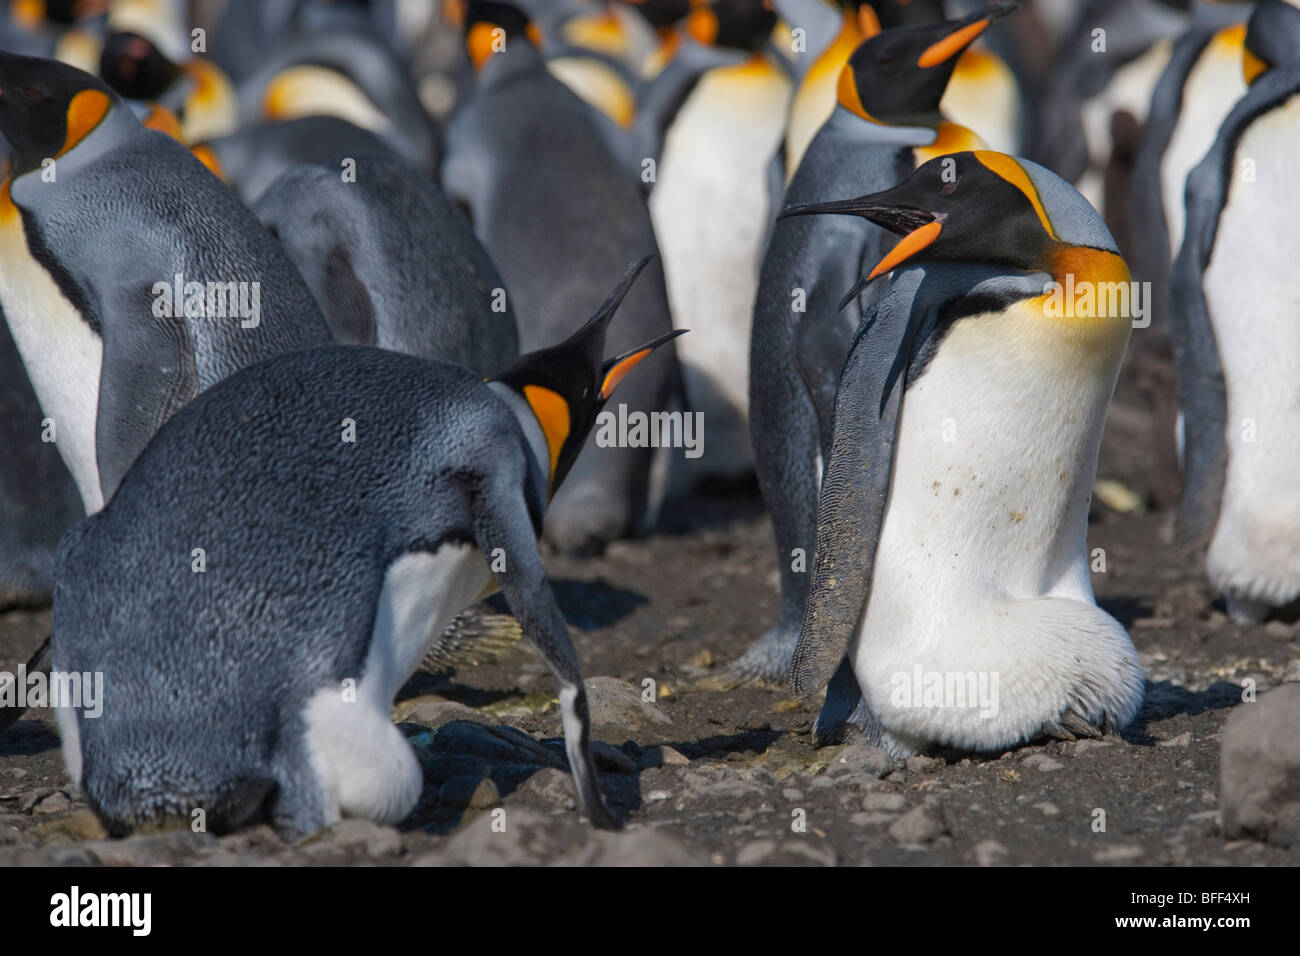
(1166,699)
(27,738)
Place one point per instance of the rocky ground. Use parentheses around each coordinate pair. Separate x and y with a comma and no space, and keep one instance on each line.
(711,777)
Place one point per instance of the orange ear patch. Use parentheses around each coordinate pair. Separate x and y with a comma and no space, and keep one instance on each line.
(847,94)
(481,42)
(619,372)
(85,112)
(951,45)
(911,244)
(552,413)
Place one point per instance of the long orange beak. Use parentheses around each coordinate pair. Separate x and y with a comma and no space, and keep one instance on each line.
(951,45)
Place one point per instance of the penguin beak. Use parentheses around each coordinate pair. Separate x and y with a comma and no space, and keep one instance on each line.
(965,32)
(919,228)
(610,305)
(616,369)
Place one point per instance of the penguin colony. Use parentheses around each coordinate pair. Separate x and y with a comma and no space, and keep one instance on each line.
(310,312)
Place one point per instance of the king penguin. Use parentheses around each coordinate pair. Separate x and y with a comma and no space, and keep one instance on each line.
(1231,309)
(198,92)
(950,602)
(390,260)
(528,164)
(349,72)
(1199,85)
(1108,61)
(721,153)
(99,218)
(329,566)
(886,123)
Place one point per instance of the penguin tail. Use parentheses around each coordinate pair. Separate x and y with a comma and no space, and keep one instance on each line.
(478,635)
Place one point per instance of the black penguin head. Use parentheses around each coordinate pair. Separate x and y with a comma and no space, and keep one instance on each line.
(888,14)
(899,76)
(740,24)
(134,66)
(1272,38)
(46,108)
(566,385)
(661,14)
(490,27)
(976,206)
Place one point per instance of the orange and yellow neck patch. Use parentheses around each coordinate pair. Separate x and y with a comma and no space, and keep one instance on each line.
(86,111)
(552,413)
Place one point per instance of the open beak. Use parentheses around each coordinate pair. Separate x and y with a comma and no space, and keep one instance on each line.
(964,33)
(615,369)
(918,227)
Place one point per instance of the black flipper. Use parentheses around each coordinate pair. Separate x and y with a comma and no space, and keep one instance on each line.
(855,484)
(147,375)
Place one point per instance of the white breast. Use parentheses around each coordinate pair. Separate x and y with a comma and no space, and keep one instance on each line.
(982,562)
(1214,84)
(711,209)
(62,354)
(1254,303)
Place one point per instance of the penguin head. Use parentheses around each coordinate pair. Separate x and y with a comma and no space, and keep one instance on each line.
(899,76)
(490,27)
(134,66)
(568,384)
(661,14)
(47,107)
(739,24)
(1272,38)
(980,206)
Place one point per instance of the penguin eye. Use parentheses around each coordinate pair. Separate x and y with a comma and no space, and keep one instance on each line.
(32,94)
(947,189)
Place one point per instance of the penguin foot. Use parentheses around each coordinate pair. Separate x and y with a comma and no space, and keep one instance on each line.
(1069,726)
(766,662)
(1246,610)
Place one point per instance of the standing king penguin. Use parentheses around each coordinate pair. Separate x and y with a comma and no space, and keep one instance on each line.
(1233,300)
(887,122)
(97,220)
(1199,85)
(331,565)
(721,153)
(952,522)
(557,212)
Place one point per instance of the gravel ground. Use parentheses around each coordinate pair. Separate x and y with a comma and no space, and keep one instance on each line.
(706,776)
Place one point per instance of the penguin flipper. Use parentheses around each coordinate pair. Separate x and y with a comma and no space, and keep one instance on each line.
(501,520)
(147,375)
(855,483)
